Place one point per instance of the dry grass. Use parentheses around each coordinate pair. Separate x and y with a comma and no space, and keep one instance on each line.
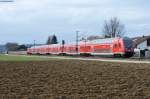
(67,79)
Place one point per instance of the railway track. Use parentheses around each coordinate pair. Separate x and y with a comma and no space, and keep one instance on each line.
(92,58)
(118,60)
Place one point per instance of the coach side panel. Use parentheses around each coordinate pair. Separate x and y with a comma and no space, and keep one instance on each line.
(102,49)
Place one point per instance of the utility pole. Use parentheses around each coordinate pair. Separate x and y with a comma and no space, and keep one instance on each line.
(77,39)
(63,45)
(85,42)
(34,45)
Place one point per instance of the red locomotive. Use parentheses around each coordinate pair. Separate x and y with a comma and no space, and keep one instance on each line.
(107,46)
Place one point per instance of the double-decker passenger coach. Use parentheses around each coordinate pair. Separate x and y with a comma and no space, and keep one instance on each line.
(107,46)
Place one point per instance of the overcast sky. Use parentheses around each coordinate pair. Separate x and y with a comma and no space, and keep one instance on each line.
(26,20)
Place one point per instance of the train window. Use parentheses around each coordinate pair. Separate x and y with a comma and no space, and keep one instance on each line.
(102,50)
(72,49)
(115,45)
(119,45)
(128,42)
(148,42)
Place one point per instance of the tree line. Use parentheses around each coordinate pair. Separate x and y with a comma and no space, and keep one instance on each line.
(15,47)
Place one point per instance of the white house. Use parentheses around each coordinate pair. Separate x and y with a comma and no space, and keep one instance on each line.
(142,43)
(142,46)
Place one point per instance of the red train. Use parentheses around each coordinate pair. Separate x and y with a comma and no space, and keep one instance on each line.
(107,46)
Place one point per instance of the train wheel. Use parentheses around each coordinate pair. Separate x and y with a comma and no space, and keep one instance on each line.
(117,55)
(63,54)
(129,54)
(85,54)
(48,54)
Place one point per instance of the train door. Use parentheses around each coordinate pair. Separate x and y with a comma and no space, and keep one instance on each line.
(62,49)
(118,47)
(102,49)
(85,49)
(72,49)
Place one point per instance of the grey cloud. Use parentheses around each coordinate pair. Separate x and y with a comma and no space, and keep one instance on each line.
(44,17)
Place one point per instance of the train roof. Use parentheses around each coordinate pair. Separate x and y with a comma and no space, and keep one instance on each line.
(100,41)
(54,45)
(39,46)
(43,46)
(105,40)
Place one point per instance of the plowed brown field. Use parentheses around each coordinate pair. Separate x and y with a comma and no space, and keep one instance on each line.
(70,79)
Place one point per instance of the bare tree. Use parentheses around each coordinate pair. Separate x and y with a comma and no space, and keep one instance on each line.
(113,28)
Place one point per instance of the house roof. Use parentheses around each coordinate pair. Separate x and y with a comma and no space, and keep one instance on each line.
(139,40)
